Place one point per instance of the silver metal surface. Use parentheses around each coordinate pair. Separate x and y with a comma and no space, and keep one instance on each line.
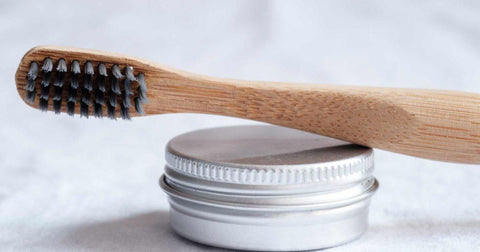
(267,188)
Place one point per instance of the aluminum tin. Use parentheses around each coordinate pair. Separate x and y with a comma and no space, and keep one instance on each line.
(267,188)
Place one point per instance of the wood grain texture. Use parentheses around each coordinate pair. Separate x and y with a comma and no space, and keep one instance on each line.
(432,124)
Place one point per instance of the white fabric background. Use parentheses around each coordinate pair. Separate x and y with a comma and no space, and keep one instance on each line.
(91,185)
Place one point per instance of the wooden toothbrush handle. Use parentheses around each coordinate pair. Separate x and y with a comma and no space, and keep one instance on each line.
(432,124)
(439,125)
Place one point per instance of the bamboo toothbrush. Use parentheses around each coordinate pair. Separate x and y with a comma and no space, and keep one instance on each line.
(433,124)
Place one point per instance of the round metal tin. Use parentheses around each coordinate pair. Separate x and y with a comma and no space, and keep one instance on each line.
(267,188)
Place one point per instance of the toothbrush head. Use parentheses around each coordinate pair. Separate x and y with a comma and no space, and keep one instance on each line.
(70,82)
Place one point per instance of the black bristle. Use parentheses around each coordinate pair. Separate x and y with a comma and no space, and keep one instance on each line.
(126,96)
(112,98)
(83,110)
(124,112)
(47,76)
(57,104)
(70,108)
(86,97)
(100,97)
(72,95)
(129,73)
(117,75)
(72,91)
(87,88)
(60,74)
(127,85)
(59,79)
(98,110)
(88,77)
(130,77)
(58,93)
(32,76)
(101,83)
(100,91)
(45,92)
(102,74)
(47,71)
(75,69)
(138,106)
(47,65)
(115,87)
(30,85)
(111,112)
(142,88)
(43,104)
(31,96)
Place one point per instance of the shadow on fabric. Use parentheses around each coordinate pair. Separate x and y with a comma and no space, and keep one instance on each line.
(142,232)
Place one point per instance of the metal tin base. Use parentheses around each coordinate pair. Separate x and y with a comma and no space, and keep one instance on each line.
(267,188)
(268,231)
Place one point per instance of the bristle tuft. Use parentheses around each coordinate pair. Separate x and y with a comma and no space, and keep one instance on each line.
(88,80)
(100,97)
(98,110)
(100,91)
(115,87)
(129,73)
(45,92)
(83,110)
(124,112)
(127,83)
(43,105)
(74,83)
(70,108)
(60,74)
(58,93)
(117,73)
(138,106)
(75,68)
(31,96)
(126,100)
(86,97)
(111,112)
(32,76)
(112,98)
(102,74)
(87,88)
(47,65)
(72,95)
(62,66)
(57,104)
(142,88)
(102,69)
(59,79)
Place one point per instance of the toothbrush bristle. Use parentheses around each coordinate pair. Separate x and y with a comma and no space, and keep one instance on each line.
(45,84)
(138,106)
(142,88)
(95,79)
(116,76)
(111,111)
(59,79)
(30,87)
(124,112)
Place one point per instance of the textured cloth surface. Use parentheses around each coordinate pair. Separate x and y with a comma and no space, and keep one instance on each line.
(91,185)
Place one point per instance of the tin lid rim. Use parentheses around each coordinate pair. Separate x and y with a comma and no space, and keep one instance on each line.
(333,172)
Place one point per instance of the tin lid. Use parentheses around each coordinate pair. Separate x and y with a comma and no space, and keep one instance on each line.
(264,155)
